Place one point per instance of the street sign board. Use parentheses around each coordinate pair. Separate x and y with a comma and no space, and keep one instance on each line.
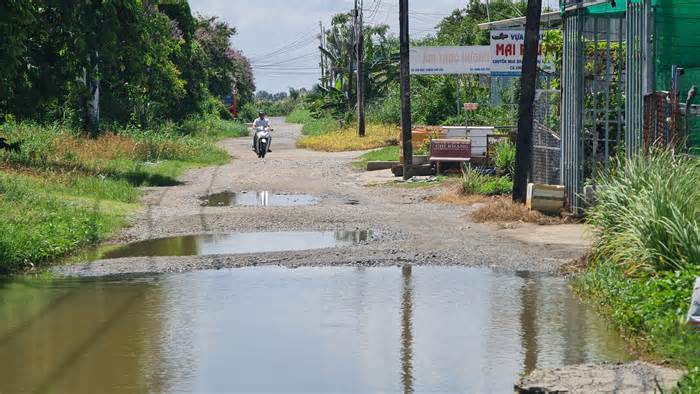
(450,60)
(507,48)
(450,150)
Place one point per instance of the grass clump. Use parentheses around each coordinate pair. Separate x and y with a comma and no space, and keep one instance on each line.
(63,191)
(473,182)
(505,158)
(647,255)
(377,136)
(388,153)
(647,214)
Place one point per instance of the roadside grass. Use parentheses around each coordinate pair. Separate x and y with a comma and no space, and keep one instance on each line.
(299,115)
(63,192)
(311,125)
(474,182)
(647,255)
(377,136)
(388,153)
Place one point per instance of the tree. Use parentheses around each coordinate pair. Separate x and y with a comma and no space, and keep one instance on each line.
(123,61)
(227,67)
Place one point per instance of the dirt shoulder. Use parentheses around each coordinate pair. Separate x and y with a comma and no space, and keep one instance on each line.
(406,226)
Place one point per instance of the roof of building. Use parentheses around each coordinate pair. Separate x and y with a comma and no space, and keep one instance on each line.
(548,18)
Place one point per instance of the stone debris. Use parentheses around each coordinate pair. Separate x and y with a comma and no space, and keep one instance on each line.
(635,377)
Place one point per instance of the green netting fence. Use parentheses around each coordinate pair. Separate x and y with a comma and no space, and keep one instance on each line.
(677,42)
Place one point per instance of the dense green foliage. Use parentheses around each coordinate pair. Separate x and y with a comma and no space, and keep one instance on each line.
(647,255)
(436,100)
(278,104)
(150,62)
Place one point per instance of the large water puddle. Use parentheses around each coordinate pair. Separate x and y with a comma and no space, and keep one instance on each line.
(268,329)
(236,243)
(258,199)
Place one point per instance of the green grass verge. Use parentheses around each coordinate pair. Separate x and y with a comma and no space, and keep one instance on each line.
(388,153)
(647,255)
(63,192)
(650,311)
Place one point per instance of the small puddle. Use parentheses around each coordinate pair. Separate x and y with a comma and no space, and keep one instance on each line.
(258,199)
(237,243)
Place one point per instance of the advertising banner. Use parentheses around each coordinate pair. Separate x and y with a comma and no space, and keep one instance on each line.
(507,48)
(450,60)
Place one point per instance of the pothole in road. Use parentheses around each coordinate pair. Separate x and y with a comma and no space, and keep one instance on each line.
(237,243)
(258,199)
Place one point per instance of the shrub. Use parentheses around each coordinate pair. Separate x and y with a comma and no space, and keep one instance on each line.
(647,254)
(299,115)
(647,213)
(385,111)
(473,182)
(248,112)
(505,157)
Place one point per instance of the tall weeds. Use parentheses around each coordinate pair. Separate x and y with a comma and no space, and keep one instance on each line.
(647,213)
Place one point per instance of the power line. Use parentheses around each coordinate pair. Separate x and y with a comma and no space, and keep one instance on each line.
(290,60)
(299,42)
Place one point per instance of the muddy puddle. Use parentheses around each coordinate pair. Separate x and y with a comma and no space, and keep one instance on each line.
(257,199)
(235,243)
(271,329)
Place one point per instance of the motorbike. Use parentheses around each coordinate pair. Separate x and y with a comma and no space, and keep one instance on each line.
(264,138)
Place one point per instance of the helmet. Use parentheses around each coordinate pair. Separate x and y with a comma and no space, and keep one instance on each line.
(261,113)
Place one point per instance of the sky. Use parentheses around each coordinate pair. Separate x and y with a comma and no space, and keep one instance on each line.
(280,36)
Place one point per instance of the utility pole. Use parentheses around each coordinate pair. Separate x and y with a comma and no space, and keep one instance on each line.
(528,84)
(359,53)
(405,90)
(324,74)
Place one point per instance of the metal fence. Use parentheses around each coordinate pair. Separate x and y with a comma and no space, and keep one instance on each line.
(606,71)
(661,119)
(546,142)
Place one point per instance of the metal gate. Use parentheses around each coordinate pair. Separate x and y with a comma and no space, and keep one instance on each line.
(606,71)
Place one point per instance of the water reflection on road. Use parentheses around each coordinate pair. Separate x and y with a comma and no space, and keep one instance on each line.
(258,199)
(311,329)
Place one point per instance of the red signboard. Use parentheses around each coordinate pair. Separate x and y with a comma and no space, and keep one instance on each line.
(471,106)
(450,150)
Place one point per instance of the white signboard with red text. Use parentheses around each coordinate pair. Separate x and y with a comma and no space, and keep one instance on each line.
(507,48)
(450,60)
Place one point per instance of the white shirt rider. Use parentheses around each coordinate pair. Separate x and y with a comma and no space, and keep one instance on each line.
(261,121)
(264,123)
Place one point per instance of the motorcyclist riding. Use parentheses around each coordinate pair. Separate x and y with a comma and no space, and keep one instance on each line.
(261,122)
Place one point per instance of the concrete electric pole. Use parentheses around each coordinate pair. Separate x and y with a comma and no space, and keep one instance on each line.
(359,54)
(528,85)
(405,90)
